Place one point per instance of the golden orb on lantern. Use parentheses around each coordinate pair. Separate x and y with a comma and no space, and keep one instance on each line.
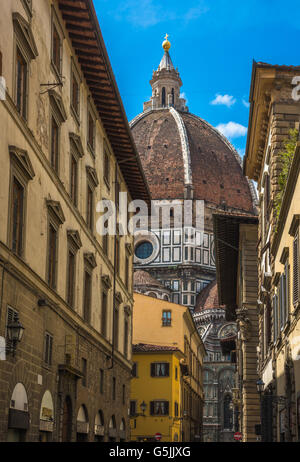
(166,44)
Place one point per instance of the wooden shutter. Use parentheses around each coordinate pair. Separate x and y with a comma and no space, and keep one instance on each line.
(287,290)
(296,269)
(275,316)
(167,369)
(152,407)
(152,369)
(166,407)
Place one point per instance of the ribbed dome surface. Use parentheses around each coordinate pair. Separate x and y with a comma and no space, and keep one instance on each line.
(208,298)
(176,146)
(143,278)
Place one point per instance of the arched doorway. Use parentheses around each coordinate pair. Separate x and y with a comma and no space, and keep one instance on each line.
(46,418)
(18,417)
(67,420)
(99,427)
(112,429)
(82,424)
(122,431)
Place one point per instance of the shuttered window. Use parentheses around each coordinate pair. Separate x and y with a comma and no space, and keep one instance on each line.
(296,269)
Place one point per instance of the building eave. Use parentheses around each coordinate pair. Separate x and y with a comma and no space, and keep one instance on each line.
(84,31)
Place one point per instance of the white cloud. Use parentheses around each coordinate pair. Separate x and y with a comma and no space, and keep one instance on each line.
(245,103)
(226,100)
(232,129)
(147,13)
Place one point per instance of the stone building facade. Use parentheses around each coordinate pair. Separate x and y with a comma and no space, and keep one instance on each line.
(275,110)
(184,158)
(236,237)
(65,145)
(219,420)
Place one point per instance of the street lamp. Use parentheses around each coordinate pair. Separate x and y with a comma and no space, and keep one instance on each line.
(15,332)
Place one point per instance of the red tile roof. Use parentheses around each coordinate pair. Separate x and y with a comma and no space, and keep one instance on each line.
(145,347)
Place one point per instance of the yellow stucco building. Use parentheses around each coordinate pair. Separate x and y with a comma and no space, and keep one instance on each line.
(168,364)
(155,393)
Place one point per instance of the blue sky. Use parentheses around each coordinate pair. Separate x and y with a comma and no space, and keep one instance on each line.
(213,43)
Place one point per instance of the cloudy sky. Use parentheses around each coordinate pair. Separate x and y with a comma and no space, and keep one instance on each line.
(213,44)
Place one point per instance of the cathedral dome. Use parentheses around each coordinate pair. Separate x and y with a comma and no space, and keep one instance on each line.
(208,298)
(178,149)
(182,155)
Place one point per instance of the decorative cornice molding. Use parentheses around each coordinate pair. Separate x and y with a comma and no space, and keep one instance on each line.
(74,237)
(92,174)
(58,105)
(21,158)
(76,142)
(56,209)
(23,29)
(90,259)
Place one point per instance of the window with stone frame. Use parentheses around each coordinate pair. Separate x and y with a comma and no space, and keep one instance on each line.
(116,325)
(87,292)
(57,37)
(84,372)
(126,332)
(89,265)
(76,152)
(57,117)
(25,51)
(101,381)
(104,308)
(21,84)
(106,166)
(75,92)
(91,130)
(92,183)
(74,244)
(55,220)
(48,348)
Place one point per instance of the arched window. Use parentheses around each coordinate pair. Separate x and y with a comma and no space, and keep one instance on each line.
(173,97)
(227,413)
(163,96)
